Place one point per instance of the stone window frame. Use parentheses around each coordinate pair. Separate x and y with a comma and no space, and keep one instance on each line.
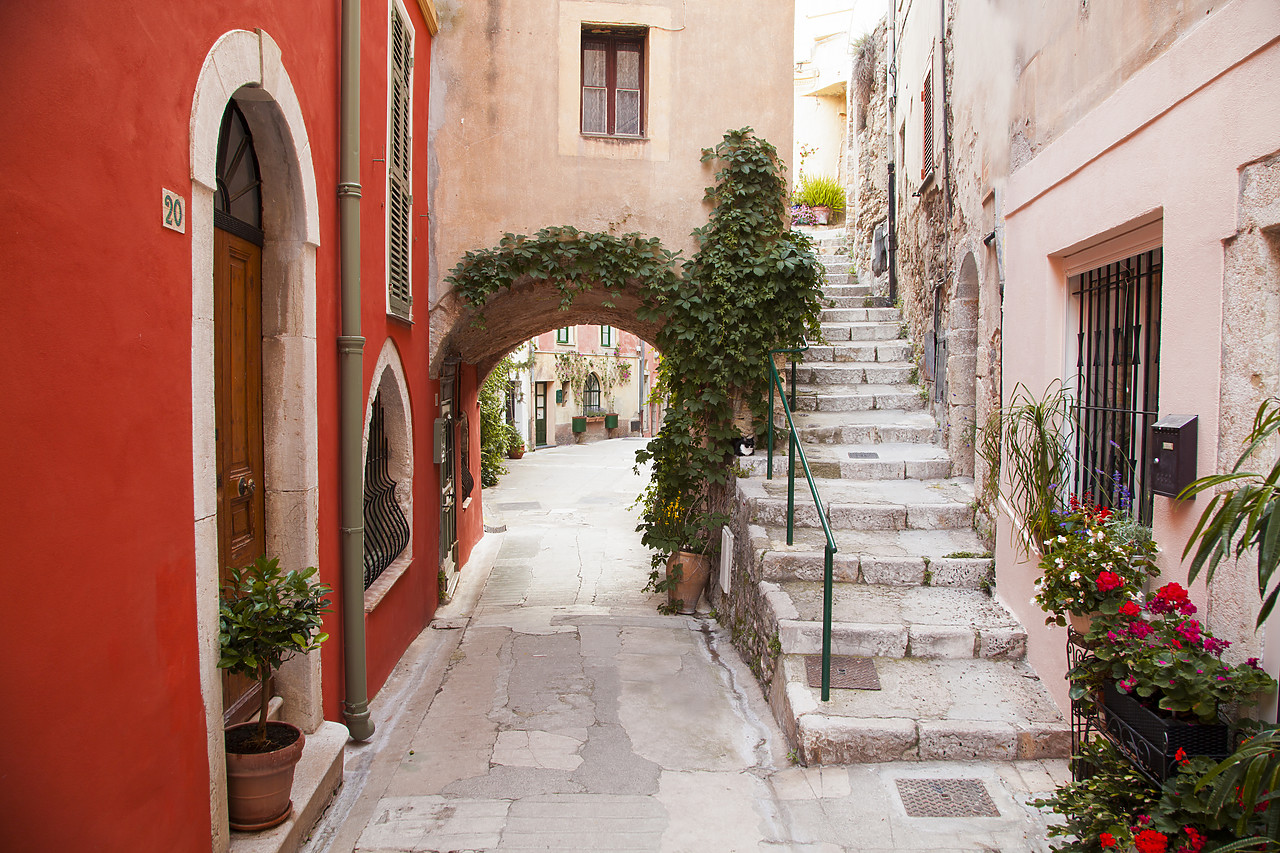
(390,382)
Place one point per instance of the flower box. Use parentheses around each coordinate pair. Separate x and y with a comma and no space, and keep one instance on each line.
(1152,740)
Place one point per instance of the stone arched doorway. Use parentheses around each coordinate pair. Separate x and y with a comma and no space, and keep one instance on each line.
(246,68)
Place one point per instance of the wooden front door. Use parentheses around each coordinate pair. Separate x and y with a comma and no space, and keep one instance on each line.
(237,323)
(540,414)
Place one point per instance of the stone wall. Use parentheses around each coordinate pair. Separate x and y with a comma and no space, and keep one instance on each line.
(867,157)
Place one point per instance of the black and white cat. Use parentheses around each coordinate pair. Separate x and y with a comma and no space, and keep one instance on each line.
(744,445)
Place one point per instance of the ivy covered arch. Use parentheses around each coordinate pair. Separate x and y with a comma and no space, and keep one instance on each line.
(527,285)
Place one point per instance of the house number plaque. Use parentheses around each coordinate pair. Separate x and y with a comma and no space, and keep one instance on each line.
(173,213)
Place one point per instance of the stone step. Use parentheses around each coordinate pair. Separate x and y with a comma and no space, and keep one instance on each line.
(846,300)
(865,331)
(859,351)
(851,373)
(861,315)
(897,621)
(948,558)
(835,279)
(881,461)
(859,398)
(865,504)
(925,710)
(834,290)
(857,428)
(843,266)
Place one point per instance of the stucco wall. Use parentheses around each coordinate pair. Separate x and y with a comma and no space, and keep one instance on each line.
(507,154)
(1167,147)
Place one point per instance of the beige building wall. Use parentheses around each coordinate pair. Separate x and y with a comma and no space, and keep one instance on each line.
(506,150)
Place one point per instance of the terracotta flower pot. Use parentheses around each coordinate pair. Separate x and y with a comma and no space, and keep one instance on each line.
(259,784)
(694,571)
(1080,622)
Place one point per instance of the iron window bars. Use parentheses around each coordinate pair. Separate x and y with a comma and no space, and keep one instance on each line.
(1117,380)
(386,533)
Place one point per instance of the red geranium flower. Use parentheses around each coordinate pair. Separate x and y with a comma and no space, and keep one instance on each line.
(1106,839)
(1151,841)
(1181,756)
(1107,581)
(1129,609)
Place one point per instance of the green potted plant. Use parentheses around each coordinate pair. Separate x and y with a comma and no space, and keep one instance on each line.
(515,442)
(684,530)
(823,195)
(265,616)
(1163,679)
(1092,566)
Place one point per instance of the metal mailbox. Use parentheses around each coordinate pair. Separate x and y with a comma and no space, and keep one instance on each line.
(1173,453)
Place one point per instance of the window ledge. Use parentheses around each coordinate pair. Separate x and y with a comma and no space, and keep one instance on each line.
(390,575)
(614,137)
(408,321)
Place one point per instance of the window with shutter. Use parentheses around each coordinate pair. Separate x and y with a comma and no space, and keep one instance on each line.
(926,158)
(613,82)
(606,336)
(399,166)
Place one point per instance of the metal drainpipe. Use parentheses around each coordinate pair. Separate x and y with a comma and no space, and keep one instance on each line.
(351,384)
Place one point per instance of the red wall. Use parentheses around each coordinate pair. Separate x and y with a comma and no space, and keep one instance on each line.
(100,672)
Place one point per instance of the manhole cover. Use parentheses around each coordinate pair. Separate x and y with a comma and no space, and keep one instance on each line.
(521,505)
(863,454)
(946,798)
(847,671)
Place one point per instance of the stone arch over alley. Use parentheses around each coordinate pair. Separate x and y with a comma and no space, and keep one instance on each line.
(512,316)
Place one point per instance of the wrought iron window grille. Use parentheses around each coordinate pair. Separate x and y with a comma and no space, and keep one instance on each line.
(386,532)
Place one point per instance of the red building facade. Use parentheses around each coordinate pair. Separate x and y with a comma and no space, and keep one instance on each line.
(173,179)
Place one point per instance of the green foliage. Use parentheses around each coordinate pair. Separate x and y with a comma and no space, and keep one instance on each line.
(1029,434)
(821,191)
(572,261)
(265,616)
(752,287)
(1104,803)
(1243,792)
(1244,516)
(1089,567)
(495,434)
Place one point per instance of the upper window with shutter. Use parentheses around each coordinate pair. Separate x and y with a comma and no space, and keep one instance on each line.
(399,164)
(927,160)
(613,97)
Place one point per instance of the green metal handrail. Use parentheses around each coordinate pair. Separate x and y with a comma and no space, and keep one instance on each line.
(793,446)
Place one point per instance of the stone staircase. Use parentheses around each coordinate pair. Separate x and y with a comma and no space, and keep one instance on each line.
(913,586)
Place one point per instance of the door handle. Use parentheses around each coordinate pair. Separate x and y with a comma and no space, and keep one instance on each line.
(246,486)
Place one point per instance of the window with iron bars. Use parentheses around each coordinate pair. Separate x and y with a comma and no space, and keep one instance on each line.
(386,533)
(1117,380)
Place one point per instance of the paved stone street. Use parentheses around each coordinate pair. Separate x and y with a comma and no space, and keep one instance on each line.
(550,707)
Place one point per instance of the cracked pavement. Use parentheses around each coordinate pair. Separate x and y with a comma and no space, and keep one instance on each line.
(550,707)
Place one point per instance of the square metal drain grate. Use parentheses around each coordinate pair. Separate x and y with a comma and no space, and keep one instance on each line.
(946,798)
(863,454)
(847,671)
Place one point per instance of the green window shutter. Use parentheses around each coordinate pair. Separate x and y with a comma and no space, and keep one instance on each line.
(399,195)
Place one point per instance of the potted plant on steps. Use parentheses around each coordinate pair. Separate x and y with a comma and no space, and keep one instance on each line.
(515,443)
(265,617)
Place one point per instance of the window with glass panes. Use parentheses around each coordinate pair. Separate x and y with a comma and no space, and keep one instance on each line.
(613,83)
(563,336)
(591,396)
(607,336)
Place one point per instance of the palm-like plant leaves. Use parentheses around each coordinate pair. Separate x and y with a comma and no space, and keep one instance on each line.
(1249,778)
(1244,515)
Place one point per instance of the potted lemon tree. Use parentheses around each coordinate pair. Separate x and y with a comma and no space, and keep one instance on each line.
(265,616)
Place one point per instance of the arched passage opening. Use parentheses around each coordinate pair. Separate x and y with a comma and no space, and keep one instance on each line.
(525,310)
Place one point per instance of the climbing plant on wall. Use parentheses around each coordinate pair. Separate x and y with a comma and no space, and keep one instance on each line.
(753,286)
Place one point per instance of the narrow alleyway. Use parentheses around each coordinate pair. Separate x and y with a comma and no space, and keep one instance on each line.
(550,707)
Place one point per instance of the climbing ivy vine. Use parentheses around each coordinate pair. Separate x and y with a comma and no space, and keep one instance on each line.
(753,286)
(572,261)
